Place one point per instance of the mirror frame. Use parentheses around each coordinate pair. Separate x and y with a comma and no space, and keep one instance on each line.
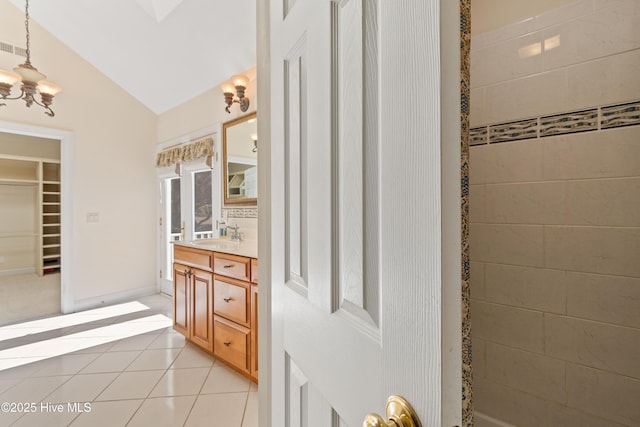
(245,201)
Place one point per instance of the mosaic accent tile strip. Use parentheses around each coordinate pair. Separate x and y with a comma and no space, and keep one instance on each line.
(620,115)
(478,136)
(467,136)
(513,131)
(560,124)
(607,117)
(241,212)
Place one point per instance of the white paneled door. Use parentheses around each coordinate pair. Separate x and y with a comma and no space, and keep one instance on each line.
(363,217)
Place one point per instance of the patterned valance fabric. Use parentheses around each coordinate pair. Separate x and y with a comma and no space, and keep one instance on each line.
(183,153)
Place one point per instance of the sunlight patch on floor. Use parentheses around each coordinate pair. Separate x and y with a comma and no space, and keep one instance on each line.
(14,357)
(66,320)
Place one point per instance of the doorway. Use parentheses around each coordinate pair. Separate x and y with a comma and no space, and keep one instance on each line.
(188,199)
(46,192)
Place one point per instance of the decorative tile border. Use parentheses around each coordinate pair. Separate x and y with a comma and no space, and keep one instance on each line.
(478,136)
(241,212)
(579,121)
(605,117)
(620,115)
(523,129)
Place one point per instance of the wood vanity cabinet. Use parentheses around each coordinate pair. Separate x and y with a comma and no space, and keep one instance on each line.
(234,320)
(193,295)
(215,305)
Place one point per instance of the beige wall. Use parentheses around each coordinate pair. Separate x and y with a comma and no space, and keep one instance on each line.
(555,230)
(113,161)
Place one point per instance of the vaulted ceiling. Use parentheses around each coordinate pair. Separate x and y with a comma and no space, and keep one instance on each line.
(163,52)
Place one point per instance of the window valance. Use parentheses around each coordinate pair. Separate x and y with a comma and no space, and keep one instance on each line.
(183,153)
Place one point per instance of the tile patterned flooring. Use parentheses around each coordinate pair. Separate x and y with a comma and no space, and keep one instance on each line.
(148,379)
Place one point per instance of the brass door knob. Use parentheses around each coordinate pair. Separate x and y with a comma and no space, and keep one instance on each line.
(400,413)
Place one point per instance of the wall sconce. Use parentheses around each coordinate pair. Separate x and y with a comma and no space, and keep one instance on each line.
(254,138)
(237,84)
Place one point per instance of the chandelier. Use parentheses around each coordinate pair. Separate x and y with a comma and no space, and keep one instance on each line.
(32,81)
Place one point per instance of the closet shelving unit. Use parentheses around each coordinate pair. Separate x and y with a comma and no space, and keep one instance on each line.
(44,176)
(50,214)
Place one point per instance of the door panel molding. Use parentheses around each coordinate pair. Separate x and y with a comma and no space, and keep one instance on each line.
(296,219)
(355,157)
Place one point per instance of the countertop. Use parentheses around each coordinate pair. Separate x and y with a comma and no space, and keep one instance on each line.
(248,248)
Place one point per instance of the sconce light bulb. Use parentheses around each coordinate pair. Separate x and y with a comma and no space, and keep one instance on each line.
(240,80)
(227,87)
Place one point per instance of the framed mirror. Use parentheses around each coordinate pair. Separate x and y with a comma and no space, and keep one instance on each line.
(240,160)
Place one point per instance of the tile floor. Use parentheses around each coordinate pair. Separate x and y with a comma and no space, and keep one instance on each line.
(153,378)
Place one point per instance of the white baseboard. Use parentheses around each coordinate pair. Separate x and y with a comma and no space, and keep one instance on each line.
(483,420)
(115,298)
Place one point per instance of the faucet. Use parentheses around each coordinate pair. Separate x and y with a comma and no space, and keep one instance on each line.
(236,232)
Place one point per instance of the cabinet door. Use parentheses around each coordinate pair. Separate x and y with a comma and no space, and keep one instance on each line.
(181,299)
(201,309)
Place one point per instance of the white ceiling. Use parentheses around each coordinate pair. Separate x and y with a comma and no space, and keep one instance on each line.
(163,52)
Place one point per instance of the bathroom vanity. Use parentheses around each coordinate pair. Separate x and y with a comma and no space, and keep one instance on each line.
(216,300)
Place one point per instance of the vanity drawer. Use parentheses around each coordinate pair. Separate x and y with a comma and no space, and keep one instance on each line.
(235,266)
(231,343)
(193,257)
(231,300)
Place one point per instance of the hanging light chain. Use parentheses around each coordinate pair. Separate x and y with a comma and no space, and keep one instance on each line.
(26,26)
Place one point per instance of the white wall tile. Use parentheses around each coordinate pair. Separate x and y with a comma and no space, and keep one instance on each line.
(526,287)
(477,280)
(603,154)
(611,396)
(476,107)
(609,80)
(514,327)
(477,209)
(509,405)
(478,357)
(533,373)
(602,33)
(607,202)
(598,345)
(560,415)
(507,244)
(510,31)
(563,13)
(603,250)
(508,162)
(506,60)
(529,96)
(609,299)
(525,203)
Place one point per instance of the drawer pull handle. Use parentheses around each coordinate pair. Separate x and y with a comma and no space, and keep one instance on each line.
(227,299)
(228,265)
(227,343)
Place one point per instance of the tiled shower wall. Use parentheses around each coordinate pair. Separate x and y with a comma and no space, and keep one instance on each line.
(555,218)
